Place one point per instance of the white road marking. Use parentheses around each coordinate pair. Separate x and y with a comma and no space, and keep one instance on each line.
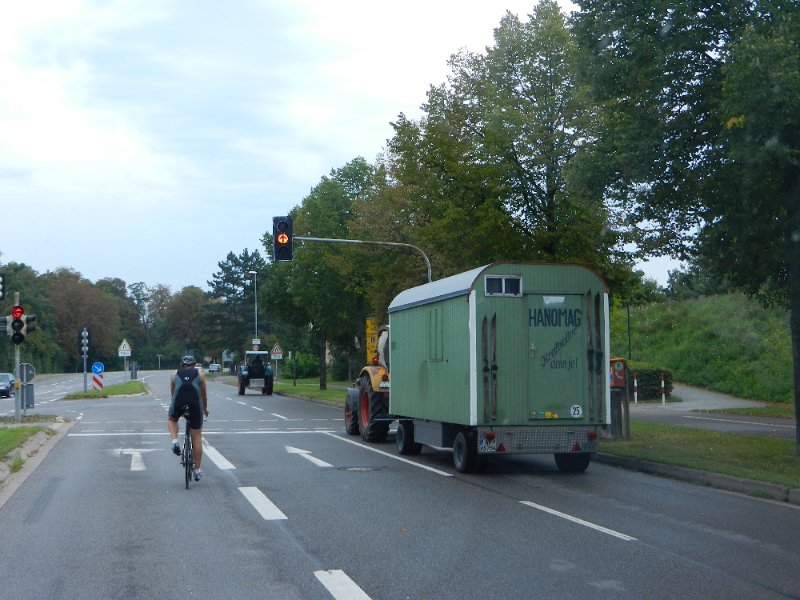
(214,456)
(340,586)
(137,461)
(257,408)
(737,421)
(281,417)
(600,528)
(307,455)
(267,510)
(386,454)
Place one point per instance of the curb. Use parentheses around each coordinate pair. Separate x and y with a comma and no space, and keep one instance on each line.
(759,489)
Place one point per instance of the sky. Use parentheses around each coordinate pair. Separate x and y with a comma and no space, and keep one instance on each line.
(146,141)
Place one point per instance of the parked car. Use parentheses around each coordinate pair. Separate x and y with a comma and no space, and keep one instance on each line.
(215,368)
(6,385)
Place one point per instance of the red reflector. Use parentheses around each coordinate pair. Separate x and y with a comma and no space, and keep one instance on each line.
(592,435)
(490,435)
(501,448)
(374,360)
(576,447)
(385,377)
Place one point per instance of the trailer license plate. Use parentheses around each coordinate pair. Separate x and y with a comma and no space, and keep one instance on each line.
(487,445)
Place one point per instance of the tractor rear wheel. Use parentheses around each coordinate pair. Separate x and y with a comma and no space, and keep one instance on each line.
(370,404)
(350,419)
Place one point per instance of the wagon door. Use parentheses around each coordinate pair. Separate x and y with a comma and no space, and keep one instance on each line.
(558,379)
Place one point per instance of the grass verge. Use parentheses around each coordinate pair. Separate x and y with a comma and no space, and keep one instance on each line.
(120,389)
(759,458)
(309,388)
(11,438)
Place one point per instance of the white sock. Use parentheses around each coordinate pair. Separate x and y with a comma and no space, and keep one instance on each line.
(174,441)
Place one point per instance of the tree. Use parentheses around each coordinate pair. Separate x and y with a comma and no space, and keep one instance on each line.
(78,304)
(488,167)
(310,291)
(700,130)
(232,289)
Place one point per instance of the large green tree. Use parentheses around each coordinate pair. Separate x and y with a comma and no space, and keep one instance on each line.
(700,134)
(232,310)
(487,166)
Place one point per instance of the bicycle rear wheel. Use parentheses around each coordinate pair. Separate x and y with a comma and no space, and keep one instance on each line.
(188,460)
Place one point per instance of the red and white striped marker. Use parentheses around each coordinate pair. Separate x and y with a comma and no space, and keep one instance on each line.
(97,381)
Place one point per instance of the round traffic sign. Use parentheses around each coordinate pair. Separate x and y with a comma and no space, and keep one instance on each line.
(98,368)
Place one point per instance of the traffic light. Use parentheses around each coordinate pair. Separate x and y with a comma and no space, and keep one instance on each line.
(2,286)
(282,238)
(18,325)
(83,341)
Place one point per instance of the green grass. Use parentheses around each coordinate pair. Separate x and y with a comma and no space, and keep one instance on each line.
(12,438)
(120,389)
(309,388)
(758,458)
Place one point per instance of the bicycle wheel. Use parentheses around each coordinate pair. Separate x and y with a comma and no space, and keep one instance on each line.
(188,460)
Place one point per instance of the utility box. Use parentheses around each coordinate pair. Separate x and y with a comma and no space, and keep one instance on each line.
(619,374)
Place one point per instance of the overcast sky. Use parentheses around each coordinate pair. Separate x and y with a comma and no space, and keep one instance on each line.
(146,140)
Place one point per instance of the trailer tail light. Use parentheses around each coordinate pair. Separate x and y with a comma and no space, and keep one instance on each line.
(591,436)
(385,377)
(576,447)
(489,435)
(374,360)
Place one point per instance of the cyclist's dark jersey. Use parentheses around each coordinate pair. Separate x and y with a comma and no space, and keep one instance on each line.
(187,391)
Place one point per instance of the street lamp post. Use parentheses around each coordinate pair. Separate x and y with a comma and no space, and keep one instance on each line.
(255,299)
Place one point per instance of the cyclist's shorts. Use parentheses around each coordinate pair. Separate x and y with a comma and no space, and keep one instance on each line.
(195,411)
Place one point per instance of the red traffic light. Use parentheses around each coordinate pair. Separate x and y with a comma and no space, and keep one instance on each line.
(17,312)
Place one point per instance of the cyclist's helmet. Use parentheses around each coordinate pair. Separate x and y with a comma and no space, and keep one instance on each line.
(188,361)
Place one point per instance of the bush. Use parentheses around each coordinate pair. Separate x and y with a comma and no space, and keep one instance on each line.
(307,366)
(648,380)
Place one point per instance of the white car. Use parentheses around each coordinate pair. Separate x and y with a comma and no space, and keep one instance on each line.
(215,368)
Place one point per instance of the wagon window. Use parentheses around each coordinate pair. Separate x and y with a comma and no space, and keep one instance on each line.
(503,286)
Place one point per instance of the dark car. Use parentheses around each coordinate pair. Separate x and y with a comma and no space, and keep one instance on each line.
(6,385)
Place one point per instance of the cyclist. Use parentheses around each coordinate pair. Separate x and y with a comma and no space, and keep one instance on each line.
(188,386)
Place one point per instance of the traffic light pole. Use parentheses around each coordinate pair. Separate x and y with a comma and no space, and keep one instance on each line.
(391,244)
(18,369)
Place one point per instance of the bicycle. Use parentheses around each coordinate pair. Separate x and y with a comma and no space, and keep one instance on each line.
(187,456)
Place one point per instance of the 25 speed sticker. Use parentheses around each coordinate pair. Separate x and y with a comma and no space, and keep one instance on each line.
(576,411)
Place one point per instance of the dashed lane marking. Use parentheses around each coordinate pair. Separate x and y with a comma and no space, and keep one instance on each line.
(340,586)
(594,526)
(264,506)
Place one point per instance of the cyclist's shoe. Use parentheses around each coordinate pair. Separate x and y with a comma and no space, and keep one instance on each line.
(198,474)
(176,449)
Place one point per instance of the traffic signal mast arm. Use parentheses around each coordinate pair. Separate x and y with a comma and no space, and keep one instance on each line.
(391,244)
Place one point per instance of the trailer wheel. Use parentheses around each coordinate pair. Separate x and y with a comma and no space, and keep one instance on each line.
(573,463)
(405,439)
(465,452)
(371,403)
(350,419)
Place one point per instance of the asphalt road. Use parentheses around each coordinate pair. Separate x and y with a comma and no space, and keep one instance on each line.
(292,508)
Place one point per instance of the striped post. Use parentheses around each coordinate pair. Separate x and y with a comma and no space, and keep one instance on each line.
(97,381)
(635,389)
(663,391)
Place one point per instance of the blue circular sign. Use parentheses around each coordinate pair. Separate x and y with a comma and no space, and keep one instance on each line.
(98,368)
